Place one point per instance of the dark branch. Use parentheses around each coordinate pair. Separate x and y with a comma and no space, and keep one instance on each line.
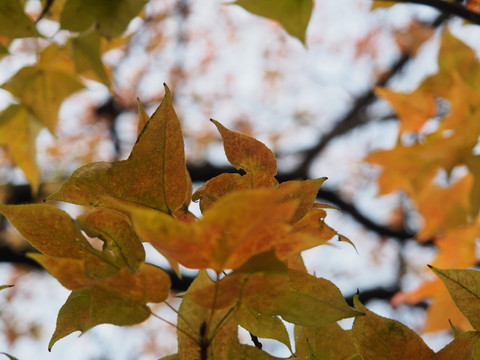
(450,8)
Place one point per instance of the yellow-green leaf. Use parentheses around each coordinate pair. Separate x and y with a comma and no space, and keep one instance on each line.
(121,243)
(264,326)
(14,22)
(43,90)
(464,288)
(110,17)
(85,50)
(87,308)
(377,337)
(18,131)
(330,341)
(314,301)
(293,15)
(154,175)
(461,348)
(5,286)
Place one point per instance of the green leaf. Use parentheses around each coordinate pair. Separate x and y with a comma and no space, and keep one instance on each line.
(293,15)
(19,130)
(331,342)
(87,308)
(13,21)
(85,49)
(154,175)
(111,17)
(377,337)
(464,288)
(264,326)
(3,50)
(43,89)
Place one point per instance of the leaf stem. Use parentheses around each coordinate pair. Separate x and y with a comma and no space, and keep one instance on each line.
(175,326)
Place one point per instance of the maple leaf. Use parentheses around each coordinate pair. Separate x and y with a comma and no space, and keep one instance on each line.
(463,286)
(110,17)
(444,208)
(293,15)
(244,153)
(238,226)
(43,87)
(154,175)
(85,49)
(328,342)
(376,337)
(14,22)
(413,109)
(18,131)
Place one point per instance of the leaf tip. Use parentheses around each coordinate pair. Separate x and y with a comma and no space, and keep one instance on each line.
(430,266)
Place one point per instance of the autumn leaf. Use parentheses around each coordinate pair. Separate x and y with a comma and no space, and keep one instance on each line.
(263,326)
(142,117)
(154,175)
(293,15)
(5,286)
(244,153)
(110,17)
(413,109)
(330,341)
(463,286)
(42,89)
(85,50)
(377,337)
(14,22)
(87,308)
(444,208)
(53,232)
(121,243)
(18,131)
(460,348)
(237,227)
(148,284)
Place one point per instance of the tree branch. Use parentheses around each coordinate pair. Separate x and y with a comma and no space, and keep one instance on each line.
(450,8)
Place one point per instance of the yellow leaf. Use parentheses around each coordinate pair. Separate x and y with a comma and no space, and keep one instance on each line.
(111,17)
(377,337)
(464,288)
(87,308)
(331,342)
(293,15)
(148,284)
(444,208)
(43,90)
(18,131)
(13,21)
(461,348)
(121,243)
(154,175)
(413,109)
(85,49)
(235,228)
